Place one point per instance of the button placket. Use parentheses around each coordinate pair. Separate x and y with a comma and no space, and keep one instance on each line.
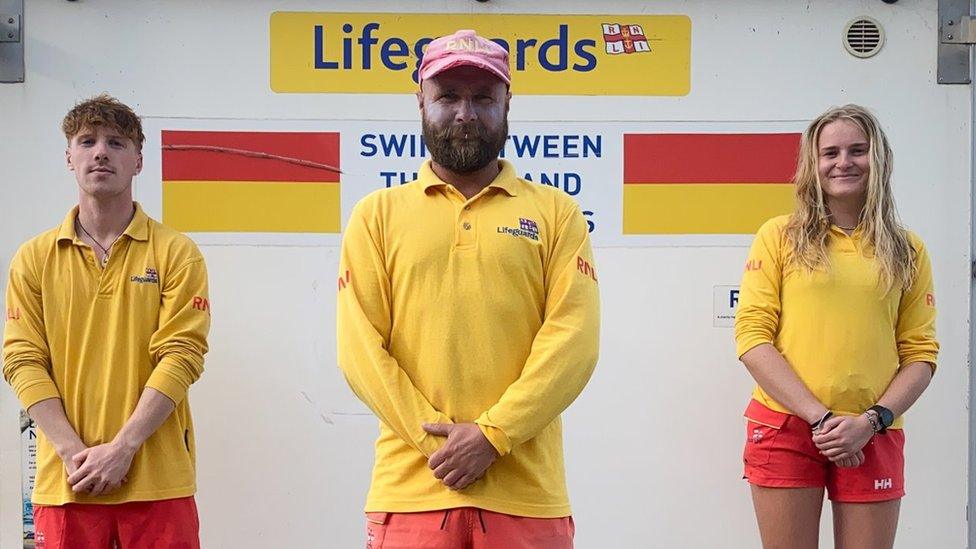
(90,268)
(845,243)
(108,279)
(466,220)
(466,227)
(89,257)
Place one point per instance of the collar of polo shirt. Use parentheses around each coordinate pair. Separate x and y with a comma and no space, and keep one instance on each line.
(138,228)
(506,179)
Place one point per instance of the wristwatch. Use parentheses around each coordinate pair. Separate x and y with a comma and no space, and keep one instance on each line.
(885,417)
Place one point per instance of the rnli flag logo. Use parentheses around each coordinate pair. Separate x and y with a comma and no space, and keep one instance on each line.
(528,225)
(527,229)
(624,39)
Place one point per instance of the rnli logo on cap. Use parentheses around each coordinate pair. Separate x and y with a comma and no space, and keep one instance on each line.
(527,228)
(625,39)
(472,45)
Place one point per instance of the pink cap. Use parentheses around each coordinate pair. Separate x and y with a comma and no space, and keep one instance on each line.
(464,47)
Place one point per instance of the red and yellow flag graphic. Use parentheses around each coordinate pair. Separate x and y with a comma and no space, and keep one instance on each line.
(215,181)
(706,183)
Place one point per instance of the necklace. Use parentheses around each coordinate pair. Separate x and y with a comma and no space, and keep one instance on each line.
(97,243)
(847,228)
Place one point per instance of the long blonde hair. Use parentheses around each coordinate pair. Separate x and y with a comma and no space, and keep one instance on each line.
(808,228)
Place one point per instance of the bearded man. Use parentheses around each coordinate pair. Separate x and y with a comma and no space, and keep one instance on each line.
(468,320)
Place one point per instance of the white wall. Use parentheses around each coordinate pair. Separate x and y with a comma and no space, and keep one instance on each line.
(654,444)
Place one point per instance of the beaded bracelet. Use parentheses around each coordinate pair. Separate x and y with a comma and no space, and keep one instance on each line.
(874,422)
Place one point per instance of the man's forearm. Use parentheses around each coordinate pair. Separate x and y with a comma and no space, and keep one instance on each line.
(49,416)
(151,411)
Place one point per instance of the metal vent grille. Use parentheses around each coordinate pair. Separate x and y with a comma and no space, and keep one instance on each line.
(863,37)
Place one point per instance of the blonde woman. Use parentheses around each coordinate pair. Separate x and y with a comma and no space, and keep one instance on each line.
(836,323)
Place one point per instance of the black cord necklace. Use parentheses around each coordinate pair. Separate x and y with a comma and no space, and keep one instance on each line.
(97,243)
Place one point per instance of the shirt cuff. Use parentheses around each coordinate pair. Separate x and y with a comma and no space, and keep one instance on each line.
(921,357)
(432,443)
(747,344)
(497,438)
(36,392)
(165,382)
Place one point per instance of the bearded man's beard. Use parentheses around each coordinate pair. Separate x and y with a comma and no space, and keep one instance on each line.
(449,148)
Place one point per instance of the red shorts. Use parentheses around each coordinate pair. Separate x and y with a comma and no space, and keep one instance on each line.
(466,527)
(780,454)
(166,523)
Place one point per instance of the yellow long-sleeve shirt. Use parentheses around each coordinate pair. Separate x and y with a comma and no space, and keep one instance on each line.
(483,310)
(95,338)
(842,333)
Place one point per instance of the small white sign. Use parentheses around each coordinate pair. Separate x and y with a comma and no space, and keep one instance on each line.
(726,301)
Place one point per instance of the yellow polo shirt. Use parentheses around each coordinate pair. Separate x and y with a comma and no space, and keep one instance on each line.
(483,310)
(95,338)
(844,336)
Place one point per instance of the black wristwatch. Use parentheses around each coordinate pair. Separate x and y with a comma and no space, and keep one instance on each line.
(885,417)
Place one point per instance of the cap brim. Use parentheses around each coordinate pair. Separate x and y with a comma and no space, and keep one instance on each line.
(453,62)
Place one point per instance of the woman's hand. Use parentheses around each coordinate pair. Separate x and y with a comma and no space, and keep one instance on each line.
(841,439)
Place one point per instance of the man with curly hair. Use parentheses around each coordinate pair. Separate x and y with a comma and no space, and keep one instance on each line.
(107,321)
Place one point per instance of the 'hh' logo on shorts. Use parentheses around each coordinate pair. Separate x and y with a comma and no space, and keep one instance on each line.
(882,484)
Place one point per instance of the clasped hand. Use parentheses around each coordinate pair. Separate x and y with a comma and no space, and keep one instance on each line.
(465,456)
(841,439)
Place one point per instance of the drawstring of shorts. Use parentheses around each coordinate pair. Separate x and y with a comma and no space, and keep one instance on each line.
(481,519)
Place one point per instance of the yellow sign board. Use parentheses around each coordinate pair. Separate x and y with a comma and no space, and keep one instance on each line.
(549,54)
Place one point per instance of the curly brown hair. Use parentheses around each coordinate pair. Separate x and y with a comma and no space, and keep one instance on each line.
(103,110)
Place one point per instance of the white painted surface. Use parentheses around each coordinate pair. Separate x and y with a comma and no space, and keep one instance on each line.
(654,443)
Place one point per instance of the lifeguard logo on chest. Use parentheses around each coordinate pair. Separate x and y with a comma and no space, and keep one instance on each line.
(527,229)
(151,277)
